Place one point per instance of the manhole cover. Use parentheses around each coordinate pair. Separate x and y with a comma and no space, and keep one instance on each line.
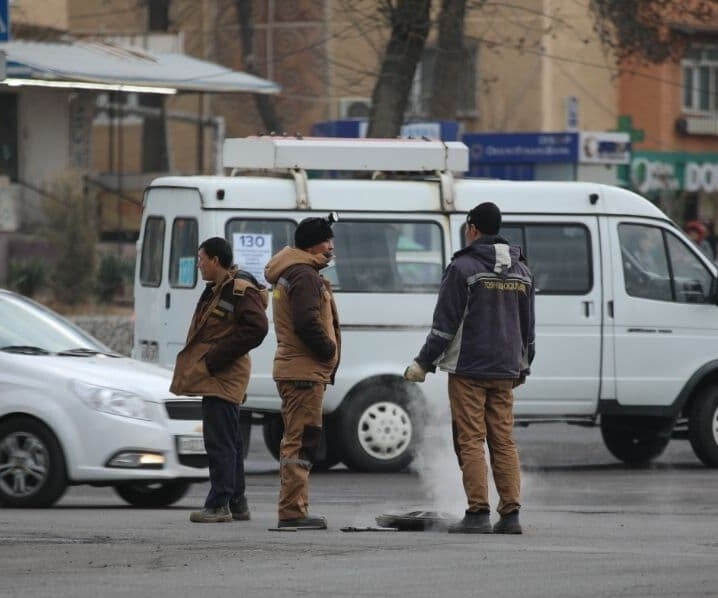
(416,521)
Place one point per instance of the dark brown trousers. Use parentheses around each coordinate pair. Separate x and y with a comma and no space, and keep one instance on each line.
(482,410)
(302,417)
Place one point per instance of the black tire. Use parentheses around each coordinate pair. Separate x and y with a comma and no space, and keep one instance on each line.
(39,476)
(152,494)
(703,426)
(636,440)
(381,426)
(245,431)
(273,429)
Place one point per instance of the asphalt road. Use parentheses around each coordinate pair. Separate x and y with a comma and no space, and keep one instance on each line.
(592,527)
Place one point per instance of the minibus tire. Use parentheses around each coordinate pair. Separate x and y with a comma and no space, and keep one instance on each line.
(703,426)
(245,433)
(273,429)
(636,440)
(404,425)
(45,447)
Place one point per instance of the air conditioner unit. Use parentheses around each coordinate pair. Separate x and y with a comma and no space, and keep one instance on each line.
(696,125)
(354,107)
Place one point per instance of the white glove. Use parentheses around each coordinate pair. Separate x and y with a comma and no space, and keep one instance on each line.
(414,373)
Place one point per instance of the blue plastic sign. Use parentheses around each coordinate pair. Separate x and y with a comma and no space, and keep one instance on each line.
(521,148)
(4,21)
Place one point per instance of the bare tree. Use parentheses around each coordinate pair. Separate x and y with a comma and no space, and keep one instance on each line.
(410,24)
(264,104)
(450,54)
(653,30)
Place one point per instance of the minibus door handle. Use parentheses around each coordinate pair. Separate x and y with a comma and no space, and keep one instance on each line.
(167,301)
(587,305)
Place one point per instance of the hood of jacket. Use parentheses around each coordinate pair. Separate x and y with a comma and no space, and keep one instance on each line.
(290,256)
(494,252)
(243,275)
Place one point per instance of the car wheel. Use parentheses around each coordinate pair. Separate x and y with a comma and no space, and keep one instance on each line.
(381,427)
(152,494)
(636,440)
(32,465)
(273,430)
(703,426)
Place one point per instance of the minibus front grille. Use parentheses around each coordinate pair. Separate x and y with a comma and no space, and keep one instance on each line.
(189,410)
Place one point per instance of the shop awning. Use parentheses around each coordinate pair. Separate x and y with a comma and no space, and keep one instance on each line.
(94,65)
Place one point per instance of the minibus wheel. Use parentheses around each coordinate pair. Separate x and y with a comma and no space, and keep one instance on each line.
(636,440)
(32,465)
(703,426)
(381,424)
(329,456)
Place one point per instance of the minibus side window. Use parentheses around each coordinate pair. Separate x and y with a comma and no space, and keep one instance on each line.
(183,253)
(153,244)
(658,265)
(255,240)
(691,279)
(384,256)
(559,255)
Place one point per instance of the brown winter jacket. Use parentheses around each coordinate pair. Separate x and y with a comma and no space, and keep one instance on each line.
(229,321)
(305,317)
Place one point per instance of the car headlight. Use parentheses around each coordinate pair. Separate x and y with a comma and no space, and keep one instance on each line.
(112,400)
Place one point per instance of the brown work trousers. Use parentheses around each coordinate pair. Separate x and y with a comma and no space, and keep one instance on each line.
(302,417)
(482,410)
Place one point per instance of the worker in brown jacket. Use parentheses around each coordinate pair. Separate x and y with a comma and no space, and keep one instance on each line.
(228,322)
(307,357)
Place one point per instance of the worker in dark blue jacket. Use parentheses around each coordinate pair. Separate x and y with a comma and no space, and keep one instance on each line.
(483,335)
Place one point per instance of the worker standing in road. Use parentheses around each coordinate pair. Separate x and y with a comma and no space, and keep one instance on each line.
(483,335)
(306,360)
(228,322)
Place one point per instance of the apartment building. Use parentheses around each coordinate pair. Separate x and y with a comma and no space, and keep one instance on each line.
(529,66)
(672,112)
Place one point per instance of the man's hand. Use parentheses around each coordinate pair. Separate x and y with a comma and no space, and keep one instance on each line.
(414,373)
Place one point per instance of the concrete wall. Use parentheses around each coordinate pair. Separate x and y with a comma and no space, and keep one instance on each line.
(40,13)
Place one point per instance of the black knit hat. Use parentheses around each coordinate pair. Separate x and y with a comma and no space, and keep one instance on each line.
(486,217)
(312,231)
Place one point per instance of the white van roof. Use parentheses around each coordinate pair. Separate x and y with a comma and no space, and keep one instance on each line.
(540,197)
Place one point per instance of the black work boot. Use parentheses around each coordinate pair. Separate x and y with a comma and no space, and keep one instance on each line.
(508,524)
(474,522)
(239,508)
(308,522)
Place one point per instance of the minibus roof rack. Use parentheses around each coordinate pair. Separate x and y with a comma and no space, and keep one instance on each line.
(270,152)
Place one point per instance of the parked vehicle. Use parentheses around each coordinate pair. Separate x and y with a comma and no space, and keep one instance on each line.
(626,344)
(74,412)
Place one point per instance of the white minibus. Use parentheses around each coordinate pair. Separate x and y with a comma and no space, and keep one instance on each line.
(626,306)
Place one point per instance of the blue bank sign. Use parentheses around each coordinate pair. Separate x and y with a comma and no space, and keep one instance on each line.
(497,148)
(4,21)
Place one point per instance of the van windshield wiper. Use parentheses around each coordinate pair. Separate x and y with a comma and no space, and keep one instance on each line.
(25,349)
(85,352)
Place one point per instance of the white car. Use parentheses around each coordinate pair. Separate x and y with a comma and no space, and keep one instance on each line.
(74,412)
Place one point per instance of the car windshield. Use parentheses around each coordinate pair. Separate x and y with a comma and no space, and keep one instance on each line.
(28,327)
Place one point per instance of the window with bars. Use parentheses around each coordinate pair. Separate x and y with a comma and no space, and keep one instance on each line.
(700,80)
